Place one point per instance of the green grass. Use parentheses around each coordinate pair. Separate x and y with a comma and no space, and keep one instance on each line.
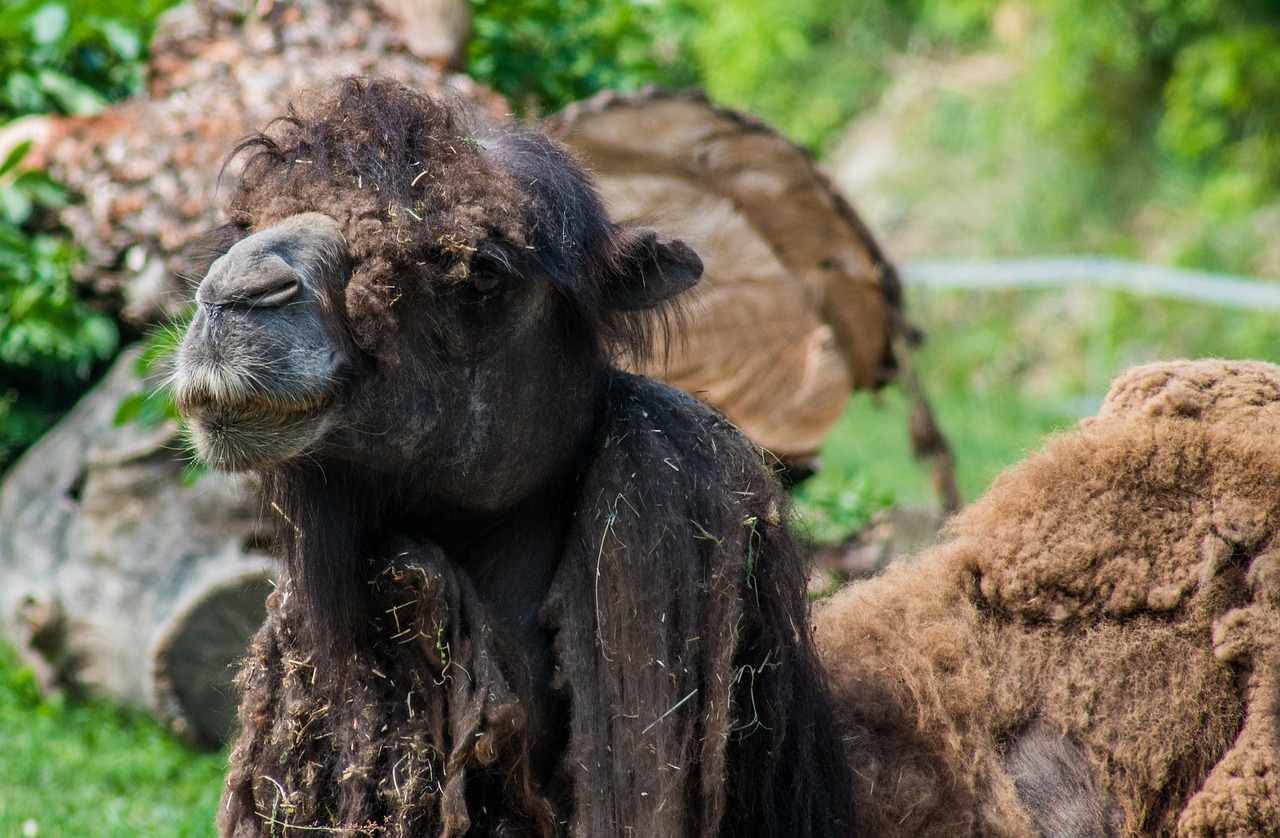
(1004,370)
(870,445)
(90,769)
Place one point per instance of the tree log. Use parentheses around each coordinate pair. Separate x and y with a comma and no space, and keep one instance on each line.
(798,306)
(121,578)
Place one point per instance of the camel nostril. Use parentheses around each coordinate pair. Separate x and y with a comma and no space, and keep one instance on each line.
(277,266)
(271,294)
(262,283)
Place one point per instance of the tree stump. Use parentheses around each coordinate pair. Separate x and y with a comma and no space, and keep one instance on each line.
(121,578)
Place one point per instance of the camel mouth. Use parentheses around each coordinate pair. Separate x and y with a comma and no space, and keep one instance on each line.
(253,432)
(202,405)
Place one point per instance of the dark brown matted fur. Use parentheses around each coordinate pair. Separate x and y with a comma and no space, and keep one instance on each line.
(689,714)
(590,621)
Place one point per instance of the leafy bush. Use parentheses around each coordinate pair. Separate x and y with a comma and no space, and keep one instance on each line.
(1191,89)
(72,56)
(830,511)
(1222,116)
(811,66)
(49,338)
(808,66)
(544,54)
(1204,73)
(56,56)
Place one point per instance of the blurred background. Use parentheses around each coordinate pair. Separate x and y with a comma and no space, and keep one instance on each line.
(1067,189)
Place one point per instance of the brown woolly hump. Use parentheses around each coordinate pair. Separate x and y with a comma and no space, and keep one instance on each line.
(1118,588)
(1179,466)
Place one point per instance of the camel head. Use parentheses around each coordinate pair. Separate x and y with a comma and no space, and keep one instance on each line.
(408,293)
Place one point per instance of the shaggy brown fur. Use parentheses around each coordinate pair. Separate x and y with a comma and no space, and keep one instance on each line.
(1095,649)
(665,683)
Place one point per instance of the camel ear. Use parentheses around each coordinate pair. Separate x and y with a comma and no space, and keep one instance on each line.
(645,272)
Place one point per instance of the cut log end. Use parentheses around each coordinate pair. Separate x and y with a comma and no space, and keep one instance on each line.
(198,654)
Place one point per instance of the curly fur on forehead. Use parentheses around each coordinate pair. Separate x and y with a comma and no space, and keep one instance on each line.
(417,189)
(397,170)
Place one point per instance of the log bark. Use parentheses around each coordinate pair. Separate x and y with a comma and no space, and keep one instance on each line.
(120,578)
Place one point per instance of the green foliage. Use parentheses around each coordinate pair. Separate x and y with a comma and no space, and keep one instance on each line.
(1116,106)
(1192,88)
(954,22)
(810,66)
(49,338)
(41,321)
(1206,72)
(72,56)
(154,406)
(805,65)
(1223,116)
(831,509)
(544,54)
(1095,68)
(91,769)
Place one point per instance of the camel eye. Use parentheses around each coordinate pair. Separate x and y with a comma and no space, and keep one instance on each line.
(485,283)
(487,273)
(480,286)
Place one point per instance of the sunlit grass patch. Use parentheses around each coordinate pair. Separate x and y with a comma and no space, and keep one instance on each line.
(90,769)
